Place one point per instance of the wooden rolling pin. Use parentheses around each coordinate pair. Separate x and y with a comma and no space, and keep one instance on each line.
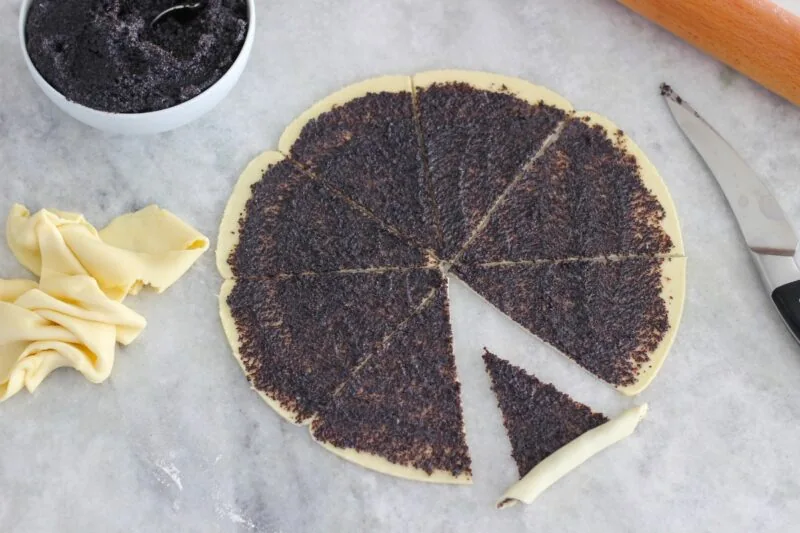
(756,37)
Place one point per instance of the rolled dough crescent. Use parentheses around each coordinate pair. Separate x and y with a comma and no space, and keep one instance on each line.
(650,176)
(570,456)
(234,211)
(232,334)
(379,464)
(487,81)
(391,84)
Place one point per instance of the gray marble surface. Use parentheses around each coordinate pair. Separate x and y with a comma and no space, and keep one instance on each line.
(176,441)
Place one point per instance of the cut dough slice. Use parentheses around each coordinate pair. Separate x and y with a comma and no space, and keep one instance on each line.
(362,140)
(299,337)
(551,434)
(617,319)
(400,413)
(479,130)
(592,193)
(280,221)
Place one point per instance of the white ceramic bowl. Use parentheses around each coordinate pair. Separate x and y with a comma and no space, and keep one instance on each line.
(154,121)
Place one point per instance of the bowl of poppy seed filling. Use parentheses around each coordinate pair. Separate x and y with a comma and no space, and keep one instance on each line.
(106,64)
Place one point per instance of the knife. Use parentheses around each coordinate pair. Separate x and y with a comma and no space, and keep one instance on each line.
(766,230)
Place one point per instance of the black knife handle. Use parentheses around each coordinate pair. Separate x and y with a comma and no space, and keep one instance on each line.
(787,300)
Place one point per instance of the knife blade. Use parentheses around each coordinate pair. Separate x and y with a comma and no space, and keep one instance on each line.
(766,229)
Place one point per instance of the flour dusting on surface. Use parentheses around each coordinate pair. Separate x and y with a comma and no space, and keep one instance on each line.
(235,516)
(171,471)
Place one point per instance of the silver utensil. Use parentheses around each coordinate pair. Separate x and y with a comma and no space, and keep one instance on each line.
(764,225)
(189,7)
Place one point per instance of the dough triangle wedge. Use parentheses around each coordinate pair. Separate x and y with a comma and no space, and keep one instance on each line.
(400,413)
(615,318)
(281,221)
(362,140)
(479,130)
(299,337)
(550,433)
(592,193)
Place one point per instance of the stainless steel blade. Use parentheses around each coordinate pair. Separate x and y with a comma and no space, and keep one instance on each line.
(761,219)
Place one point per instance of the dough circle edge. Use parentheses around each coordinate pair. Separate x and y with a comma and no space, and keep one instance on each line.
(232,334)
(235,208)
(379,464)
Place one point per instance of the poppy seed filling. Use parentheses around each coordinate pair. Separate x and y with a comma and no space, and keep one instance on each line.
(104,54)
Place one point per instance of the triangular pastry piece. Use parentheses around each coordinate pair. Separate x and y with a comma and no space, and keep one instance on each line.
(401,412)
(550,433)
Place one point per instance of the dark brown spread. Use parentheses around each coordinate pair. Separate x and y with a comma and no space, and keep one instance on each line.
(377,182)
(476,141)
(583,198)
(106,55)
(538,418)
(294,224)
(368,149)
(606,315)
(404,404)
(300,337)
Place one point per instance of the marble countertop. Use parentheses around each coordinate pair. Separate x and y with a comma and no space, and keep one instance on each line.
(176,441)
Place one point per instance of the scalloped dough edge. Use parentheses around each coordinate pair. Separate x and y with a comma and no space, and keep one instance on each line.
(391,84)
(232,334)
(235,209)
(570,456)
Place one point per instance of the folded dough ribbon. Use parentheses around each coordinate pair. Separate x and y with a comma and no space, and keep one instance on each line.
(149,247)
(74,316)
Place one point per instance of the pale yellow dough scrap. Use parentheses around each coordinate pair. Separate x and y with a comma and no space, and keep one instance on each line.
(389,84)
(650,176)
(487,81)
(149,247)
(570,456)
(237,204)
(232,334)
(673,292)
(379,464)
(67,321)
(74,316)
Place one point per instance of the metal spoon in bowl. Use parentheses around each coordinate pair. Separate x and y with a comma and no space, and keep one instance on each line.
(185,8)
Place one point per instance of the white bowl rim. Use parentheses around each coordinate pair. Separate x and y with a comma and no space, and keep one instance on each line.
(178,108)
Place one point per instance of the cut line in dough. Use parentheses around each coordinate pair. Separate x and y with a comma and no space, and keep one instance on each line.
(391,84)
(497,83)
(576,259)
(650,177)
(379,464)
(235,209)
(232,334)
(570,456)
(520,175)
